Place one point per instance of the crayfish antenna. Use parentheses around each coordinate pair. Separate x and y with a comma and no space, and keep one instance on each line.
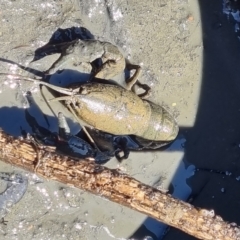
(63,98)
(65,91)
(83,127)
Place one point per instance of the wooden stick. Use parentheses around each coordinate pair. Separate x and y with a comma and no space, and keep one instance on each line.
(117,187)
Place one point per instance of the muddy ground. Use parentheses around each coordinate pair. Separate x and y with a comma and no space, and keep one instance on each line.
(189,54)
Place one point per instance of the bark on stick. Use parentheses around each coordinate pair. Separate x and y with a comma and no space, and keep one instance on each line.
(117,187)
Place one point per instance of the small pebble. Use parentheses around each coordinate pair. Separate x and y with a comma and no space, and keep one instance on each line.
(190,18)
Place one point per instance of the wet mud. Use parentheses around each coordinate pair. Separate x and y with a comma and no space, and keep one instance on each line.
(189,54)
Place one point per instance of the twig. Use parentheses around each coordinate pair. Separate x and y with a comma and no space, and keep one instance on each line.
(117,187)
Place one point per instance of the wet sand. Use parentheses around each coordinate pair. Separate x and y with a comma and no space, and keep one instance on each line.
(189,56)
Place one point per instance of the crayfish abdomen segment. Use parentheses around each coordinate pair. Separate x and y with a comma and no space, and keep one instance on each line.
(162,125)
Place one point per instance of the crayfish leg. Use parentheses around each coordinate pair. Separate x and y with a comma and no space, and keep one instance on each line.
(125,155)
(132,81)
(63,128)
